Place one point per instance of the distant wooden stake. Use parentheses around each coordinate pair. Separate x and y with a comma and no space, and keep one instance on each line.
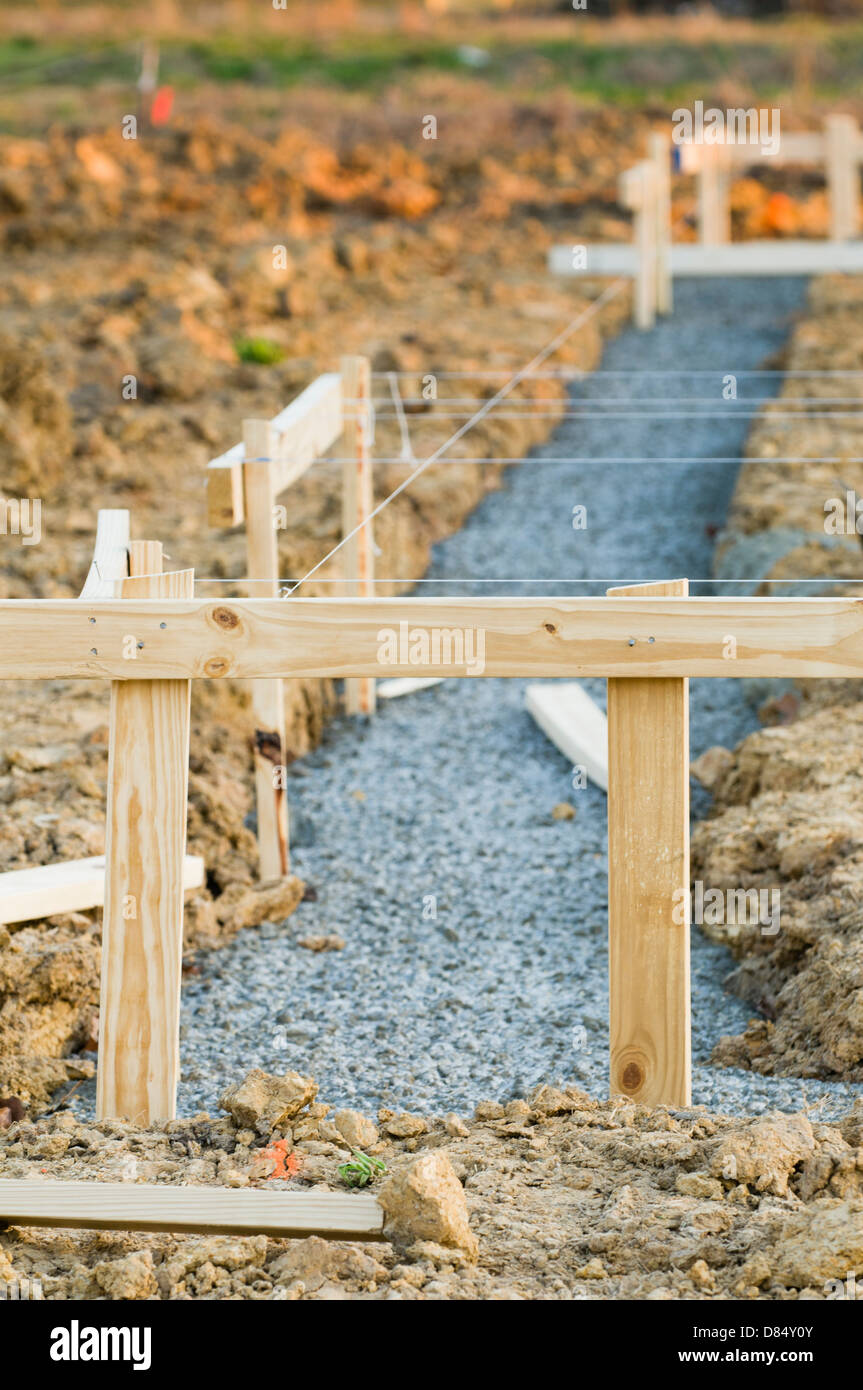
(637,191)
(268,699)
(659,149)
(714,216)
(843,178)
(358,562)
(648,861)
(142,930)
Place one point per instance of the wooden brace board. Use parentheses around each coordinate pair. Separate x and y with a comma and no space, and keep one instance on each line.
(732,258)
(109,1206)
(530,637)
(567,715)
(75,886)
(303,431)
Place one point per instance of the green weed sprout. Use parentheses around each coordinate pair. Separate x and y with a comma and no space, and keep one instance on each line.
(261,350)
(360,1170)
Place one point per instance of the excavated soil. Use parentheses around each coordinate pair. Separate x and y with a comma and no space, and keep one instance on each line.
(566,1198)
(787,809)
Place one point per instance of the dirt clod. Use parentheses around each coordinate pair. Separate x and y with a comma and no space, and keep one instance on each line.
(424,1200)
(263,1102)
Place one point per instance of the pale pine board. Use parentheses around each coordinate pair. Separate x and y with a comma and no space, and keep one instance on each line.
(638,191)
(358,559)
(110,563)
(659,152)
(531,637)
(843,176)
(148,763)
(648,859)
(302,432)
(803,148)
(714,215)
(404,685)
(574,723)
(732,258)
(112,1206)
(268,700)
(75,886)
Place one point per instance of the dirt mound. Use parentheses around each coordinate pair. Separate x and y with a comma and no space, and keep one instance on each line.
(788,818)
(565,1197)
(787,805)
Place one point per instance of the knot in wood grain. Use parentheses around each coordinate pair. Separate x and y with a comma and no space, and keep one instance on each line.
(217,666)
(226,618)
(633,1077)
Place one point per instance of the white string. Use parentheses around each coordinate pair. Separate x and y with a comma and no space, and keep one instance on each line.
(568,373)
(407,454)
(790,579)
(607,295)
(768,414)
(610,458)
(430,414)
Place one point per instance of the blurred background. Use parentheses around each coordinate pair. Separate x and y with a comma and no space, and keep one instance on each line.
(412,161)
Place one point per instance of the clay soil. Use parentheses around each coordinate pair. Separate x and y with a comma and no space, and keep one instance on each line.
(786,802)
(566,1198)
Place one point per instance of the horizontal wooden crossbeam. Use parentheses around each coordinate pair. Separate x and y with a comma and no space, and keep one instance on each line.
(805,147)
(112,1206)
(729,258)
(251,639)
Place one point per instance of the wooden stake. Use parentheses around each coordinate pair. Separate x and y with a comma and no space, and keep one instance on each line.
(843,180)
(142,930)
(145,560)
(648,862)
(357,503)
(110,565)
(268,698)
(659,149)
(714,216)
(637,191)
(646,221)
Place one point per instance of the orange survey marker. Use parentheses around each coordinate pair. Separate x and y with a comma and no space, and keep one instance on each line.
(163,105)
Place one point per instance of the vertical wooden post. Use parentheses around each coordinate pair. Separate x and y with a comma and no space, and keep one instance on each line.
(714,217)
(637,191)
(648,862)
(659,150)
(645,231)
(145,841)
(268,699)
(842,138)
(145,561)
(358,503)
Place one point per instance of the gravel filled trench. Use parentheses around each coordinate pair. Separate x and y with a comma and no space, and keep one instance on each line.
(475,961)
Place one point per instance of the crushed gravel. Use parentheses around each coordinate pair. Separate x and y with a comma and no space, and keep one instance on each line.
(475,956)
